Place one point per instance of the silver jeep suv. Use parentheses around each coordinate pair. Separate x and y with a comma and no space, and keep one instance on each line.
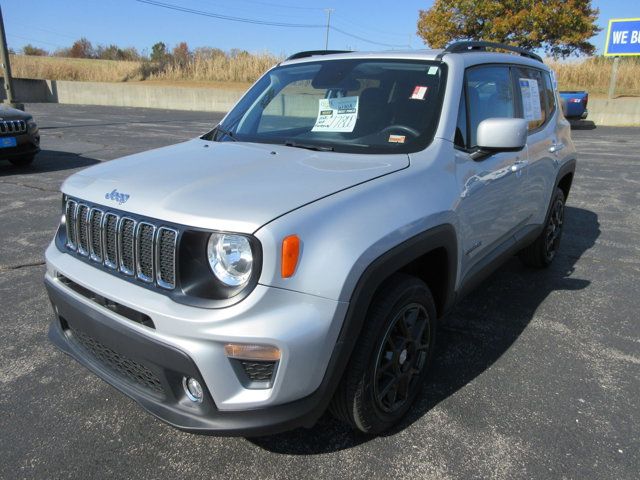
(298,256)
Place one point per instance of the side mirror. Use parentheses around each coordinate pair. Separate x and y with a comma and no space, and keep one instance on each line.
(500,135)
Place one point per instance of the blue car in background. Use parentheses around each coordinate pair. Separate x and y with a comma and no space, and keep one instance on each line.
(575,104)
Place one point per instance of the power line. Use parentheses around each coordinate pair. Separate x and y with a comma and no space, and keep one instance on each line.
(44,30)
(357,37)
(229,18)
(33,40)
(348,23)
(279,5)
(266,22)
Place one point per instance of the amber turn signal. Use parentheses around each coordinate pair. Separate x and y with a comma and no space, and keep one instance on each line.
(248,351)
(290,254)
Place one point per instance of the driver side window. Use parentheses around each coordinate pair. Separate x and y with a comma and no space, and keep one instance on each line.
(489,93)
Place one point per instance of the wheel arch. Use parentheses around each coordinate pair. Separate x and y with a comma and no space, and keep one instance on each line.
(419,248)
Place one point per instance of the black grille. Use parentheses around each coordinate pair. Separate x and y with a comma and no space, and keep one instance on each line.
(144,248)
(13,126)
(111,240)
(258,371)
(137,248)
(126,241)
(83,232)
(118,363)
(95,223)
(166,263)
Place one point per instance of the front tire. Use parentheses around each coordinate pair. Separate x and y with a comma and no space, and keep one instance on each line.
(391,359)
(543,250)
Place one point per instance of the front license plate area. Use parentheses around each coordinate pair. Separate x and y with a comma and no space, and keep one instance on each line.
(8,142)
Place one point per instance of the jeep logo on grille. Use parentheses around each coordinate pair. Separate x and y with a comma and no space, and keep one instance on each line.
(117,196)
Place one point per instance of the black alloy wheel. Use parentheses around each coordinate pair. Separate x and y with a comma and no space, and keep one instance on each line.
(401,358)
(554,228)
(391,358)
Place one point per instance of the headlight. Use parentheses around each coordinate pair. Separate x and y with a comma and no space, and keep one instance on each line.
(230,258)
(31,125)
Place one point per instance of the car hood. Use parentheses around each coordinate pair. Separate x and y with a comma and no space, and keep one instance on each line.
(232,186)
(9,113)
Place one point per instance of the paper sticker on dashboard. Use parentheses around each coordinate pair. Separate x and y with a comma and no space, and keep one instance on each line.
(337,114)
(397,138)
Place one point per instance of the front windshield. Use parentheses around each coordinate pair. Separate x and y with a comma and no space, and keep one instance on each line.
(365,106)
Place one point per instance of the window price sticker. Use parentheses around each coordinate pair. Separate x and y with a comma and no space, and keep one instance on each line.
(336,114)
(531,104)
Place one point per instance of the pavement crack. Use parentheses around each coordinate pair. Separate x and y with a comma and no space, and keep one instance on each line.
(20,184)
(9,268)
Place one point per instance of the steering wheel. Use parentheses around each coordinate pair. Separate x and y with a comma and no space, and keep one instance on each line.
(411,131)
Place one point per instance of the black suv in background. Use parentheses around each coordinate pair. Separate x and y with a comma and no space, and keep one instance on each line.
(19,137)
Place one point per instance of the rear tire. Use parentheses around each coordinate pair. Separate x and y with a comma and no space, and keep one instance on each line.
(391,359)
(543,250)
(22,161)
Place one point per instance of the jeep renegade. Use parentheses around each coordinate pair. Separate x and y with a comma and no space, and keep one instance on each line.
(298,256)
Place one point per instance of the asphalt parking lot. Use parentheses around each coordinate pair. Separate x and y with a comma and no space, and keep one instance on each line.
(537,374)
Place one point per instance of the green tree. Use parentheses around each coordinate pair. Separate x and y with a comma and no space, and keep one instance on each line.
(159,53)
(560,27)
(29,49)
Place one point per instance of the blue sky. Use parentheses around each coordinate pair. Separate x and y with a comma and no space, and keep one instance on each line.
(51,24)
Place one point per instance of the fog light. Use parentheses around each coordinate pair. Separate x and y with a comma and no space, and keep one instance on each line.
(193,389)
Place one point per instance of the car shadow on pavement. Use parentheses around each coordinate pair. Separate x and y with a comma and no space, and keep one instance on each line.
(48,161)
(470,339)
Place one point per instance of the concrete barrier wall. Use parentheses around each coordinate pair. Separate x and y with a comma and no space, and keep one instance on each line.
(624,111)
(147,96)
(27,90)
(123,95)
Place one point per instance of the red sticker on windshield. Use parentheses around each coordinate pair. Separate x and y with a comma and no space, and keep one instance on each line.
(419,92)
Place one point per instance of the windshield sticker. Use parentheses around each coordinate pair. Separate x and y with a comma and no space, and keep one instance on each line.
(419,93)
(397,138)
(531,105)
(336,114)
(432,70)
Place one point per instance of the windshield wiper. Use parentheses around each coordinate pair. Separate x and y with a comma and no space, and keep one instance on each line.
(227,133)
(319,148)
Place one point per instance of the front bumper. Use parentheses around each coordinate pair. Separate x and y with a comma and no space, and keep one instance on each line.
(27,145)
(148,364)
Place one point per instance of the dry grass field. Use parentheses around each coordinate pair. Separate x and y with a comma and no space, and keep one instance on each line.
(226,71)
(81,69)
(594,73)
(238,69)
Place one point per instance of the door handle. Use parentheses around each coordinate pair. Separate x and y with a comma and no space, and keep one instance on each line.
(518,166)
(556,147)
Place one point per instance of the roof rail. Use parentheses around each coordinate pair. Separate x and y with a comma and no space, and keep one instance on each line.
(311,53)
(471,46)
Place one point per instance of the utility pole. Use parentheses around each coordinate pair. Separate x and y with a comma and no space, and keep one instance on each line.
(6,66)
(328,11)
(614,77)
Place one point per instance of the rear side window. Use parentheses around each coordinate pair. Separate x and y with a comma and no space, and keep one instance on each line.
(489,93)
(533,95)
(550,94)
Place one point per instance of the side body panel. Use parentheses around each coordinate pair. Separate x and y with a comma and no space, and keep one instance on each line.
(343,234)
